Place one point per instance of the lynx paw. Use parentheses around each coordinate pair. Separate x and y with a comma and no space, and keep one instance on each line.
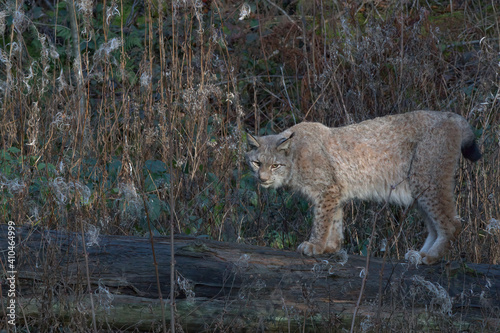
(310,249)
(428,259)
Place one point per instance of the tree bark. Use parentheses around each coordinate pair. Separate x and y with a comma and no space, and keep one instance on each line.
(238,287)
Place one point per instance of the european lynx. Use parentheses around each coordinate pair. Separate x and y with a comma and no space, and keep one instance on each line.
(415,154)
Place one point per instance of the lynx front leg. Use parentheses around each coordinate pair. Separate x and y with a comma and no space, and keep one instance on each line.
(336,235)
(327,232)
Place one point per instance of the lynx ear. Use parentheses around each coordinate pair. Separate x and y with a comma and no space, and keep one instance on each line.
(284,144)
(252,142)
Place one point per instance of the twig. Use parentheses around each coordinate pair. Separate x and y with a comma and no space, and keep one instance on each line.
(78,58)
(155,264)
(284,13)
(286,94)
(368,251)
(171,194)
(87,272)
(319,96)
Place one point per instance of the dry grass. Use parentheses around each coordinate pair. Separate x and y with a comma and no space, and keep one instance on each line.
(145,128)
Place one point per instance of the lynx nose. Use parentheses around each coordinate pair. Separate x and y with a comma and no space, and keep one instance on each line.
(264,176)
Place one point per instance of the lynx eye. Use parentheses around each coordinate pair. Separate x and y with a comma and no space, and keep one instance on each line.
(275,166)
(256,164)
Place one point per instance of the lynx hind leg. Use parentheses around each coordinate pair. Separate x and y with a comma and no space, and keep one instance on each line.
(327,234)
(432,181)
(432,232)
(442,224)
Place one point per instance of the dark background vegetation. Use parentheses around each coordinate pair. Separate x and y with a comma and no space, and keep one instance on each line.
(145,127)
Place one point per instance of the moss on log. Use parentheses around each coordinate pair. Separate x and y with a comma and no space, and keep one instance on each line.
(238,287)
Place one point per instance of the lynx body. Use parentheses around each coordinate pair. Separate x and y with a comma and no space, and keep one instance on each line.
(399,158)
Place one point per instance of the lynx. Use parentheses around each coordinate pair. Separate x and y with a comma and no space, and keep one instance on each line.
(398,158)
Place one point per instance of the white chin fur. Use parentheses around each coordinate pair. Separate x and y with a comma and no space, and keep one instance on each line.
(273,184)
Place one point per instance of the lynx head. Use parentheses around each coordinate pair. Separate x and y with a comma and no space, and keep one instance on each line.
(270,159)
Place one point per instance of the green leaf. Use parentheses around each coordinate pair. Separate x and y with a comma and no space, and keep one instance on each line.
(254,200)
(114,168)
(155,207)
(155,172)
(14,150)
(252,37)
(5,157)
(155,167)
(63,32)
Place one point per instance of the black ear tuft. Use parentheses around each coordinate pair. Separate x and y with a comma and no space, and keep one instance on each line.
(284,144)
(252,142)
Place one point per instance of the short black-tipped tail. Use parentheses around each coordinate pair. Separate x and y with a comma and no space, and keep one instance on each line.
(470,150)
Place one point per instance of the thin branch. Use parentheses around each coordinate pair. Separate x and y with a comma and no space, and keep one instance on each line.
(368,252)
(284,13)
(78,58)
(155,264)
(87,273)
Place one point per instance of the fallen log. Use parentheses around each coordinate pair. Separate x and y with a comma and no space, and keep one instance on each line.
(237,287)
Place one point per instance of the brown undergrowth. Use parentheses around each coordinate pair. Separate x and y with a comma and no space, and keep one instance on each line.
(130,117)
